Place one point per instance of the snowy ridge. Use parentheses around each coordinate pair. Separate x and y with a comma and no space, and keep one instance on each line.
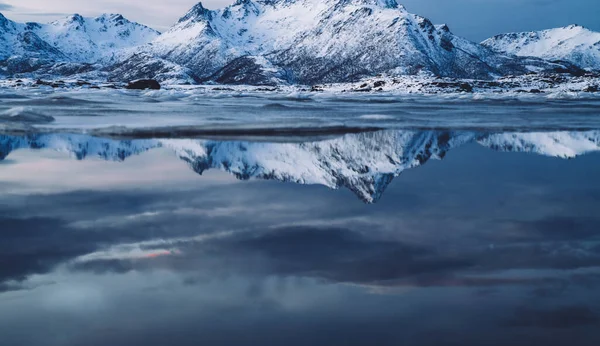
(73,39)
(92,39)
(364,163)
(316,41)
(573,43)
(565,145)
(260,42)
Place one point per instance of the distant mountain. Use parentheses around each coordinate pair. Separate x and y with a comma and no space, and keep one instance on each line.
(316,41)
(73,40)
(17,40)
(574,43)
(364,163)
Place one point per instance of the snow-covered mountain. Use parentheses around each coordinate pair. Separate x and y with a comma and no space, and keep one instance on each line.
(261,42)
(573,43)
(365,163)
(72,40)
(315,41)
(17,41)
(93,39)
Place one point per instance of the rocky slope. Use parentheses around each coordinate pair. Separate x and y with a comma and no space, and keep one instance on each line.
(316,41)
(574,43)
(364,163)
(261,42)
(70,45)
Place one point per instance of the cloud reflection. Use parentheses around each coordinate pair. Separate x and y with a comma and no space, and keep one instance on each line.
(490,241)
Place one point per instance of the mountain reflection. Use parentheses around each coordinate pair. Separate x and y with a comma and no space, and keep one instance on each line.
(365,163)
(487,248)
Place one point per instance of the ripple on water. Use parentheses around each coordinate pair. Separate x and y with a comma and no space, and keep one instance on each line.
(24,115)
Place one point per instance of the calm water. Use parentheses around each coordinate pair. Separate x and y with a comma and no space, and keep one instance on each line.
(362,239)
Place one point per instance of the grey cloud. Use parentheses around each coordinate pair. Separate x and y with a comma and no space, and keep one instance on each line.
(558,228)
(554,318)
(40,232)
(31,246)
(344,255)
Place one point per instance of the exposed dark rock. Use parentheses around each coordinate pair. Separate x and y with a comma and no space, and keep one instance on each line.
(143,66)
(569,68)
(244,71)
(56,84)
(378,84)
(459,86)
(41,82)
(142,84)
(592,89)
(466,87)
(446,44)
(487,84)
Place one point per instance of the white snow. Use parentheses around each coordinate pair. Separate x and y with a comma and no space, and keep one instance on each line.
(364,36)
(290,41)
(79,39)
(573,43)
(556,144)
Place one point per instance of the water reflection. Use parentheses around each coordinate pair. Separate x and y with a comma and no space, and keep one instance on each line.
(365,163)
(485,247)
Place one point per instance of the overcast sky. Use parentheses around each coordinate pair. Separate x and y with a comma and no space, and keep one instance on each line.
(474,19)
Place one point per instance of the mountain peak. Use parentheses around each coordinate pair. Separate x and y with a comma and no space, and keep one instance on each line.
(74,39)
(573,43)
(443,27)
(111,17)
(5,24)
(76,18)
(197,13)
(383,3)
(3,20)
(322,41)
(574,26)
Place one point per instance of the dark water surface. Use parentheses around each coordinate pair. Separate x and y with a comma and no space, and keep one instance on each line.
(362,239)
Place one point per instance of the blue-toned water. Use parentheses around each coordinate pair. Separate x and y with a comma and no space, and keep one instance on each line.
(441,233)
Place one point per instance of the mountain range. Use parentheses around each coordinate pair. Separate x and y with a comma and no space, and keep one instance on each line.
(573,43)
(73,45)
(270,42)
(365,163)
